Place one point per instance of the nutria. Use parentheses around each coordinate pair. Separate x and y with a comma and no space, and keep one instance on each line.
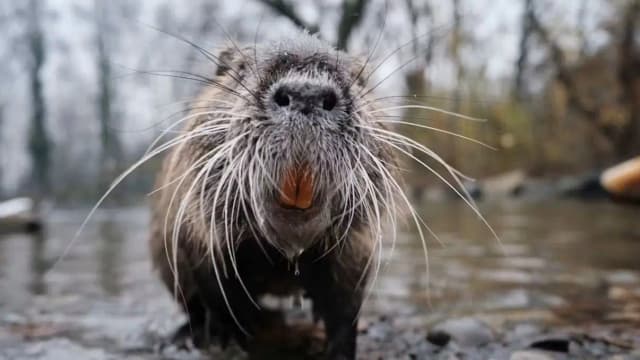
(282,181)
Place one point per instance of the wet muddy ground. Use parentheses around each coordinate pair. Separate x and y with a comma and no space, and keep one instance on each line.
(563,283)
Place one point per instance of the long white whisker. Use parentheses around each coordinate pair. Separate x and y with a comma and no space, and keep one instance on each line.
(231,116)
(412,144)
(425,107)
(200,161)
(464,198)
(237,164)
(115,184)
(416,218)
(438,130)
(221,182)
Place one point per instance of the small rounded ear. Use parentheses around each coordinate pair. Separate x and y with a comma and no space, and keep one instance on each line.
(225,60)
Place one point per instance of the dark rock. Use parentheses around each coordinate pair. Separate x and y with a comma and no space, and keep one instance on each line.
(504,185)
(20,215)
(438,338)
(552,344)
(584,187)
(474,189)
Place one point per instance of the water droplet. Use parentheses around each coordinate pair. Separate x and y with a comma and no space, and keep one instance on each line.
(297,300)
(296,262)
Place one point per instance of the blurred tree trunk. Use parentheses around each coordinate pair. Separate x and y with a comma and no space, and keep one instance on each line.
(417,82)
(111,149)
(582,28)
(416,78)
(629,77)
(617,143)
(39,142)
(352,14)
(588,113)
(519,91)
(523,50)
(457,38)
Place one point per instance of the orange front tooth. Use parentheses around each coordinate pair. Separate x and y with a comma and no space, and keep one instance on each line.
(288,189)
(296,188)
(305,189)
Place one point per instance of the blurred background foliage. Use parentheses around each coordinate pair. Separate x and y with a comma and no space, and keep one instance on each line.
(558,82)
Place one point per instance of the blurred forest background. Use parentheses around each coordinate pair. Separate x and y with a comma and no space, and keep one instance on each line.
(558,81)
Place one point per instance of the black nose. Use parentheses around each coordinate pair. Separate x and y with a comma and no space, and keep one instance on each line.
(305,97)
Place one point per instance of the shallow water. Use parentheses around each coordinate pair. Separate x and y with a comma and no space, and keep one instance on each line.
(559,264)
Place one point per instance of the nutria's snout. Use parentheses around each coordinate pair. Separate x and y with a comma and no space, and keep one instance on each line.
(305,114)
(304,97)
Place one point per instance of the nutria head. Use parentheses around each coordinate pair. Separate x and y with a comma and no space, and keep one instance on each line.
(292,153)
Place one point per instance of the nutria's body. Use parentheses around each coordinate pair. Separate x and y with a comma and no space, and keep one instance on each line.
(285,191)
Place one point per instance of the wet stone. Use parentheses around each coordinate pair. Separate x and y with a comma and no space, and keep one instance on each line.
(55,349)
(523,332)
(530,355)
(438,338)
(554,344)
(466,332)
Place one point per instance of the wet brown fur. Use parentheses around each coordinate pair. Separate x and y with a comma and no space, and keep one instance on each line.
(332,282)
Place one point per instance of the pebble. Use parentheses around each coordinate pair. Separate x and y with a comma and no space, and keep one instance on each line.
(438,338)
(466,332)
(632,356)
(530,355)
(522,332)
(558,343)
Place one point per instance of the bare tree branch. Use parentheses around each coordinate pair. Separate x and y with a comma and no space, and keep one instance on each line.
(523,56)
(287,10)
(628,70)
(39,140)
(414,18)
(111,147)
(588,113)
(352,14)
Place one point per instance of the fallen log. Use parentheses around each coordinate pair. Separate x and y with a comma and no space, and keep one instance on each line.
(19,215)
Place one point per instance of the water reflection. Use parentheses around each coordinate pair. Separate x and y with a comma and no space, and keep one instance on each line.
(38,263)
(109,255)
(552,254)
(23,263)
